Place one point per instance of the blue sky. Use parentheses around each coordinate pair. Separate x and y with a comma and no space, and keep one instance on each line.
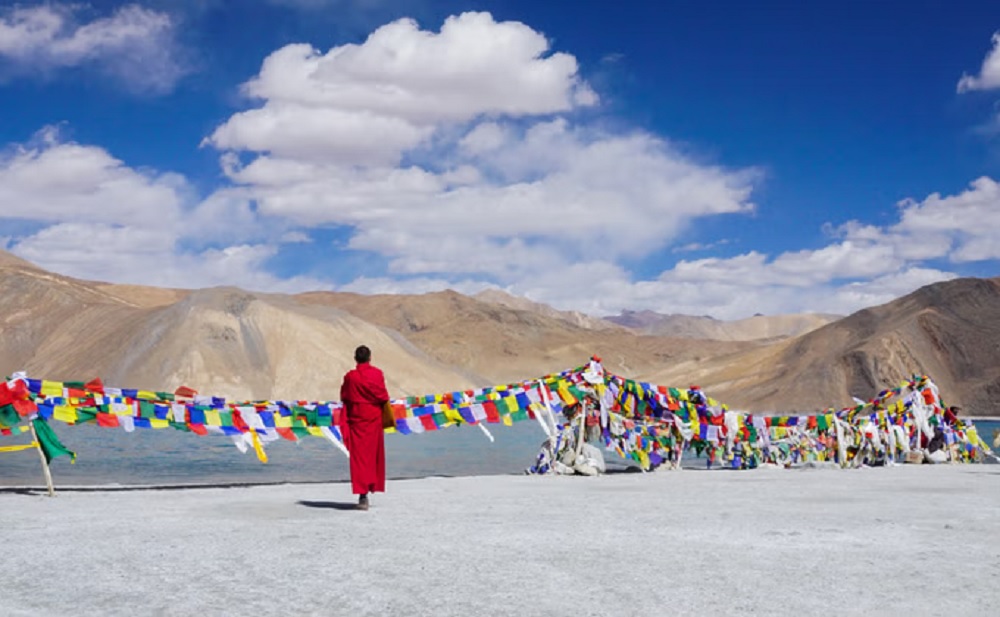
(722,159)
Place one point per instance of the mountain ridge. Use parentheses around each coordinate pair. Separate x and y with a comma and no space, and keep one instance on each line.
(757,327)
(230,342)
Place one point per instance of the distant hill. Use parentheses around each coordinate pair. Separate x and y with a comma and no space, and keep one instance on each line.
(753,328)
(238,344)
(219,341)
(502,298)
(949,330)
(505,344)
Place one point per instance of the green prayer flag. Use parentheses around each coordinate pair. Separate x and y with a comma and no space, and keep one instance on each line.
(85,414)
(49,442)
(9,416)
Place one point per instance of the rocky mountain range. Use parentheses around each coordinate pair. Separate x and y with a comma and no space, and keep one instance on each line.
(753,328)
(249,345)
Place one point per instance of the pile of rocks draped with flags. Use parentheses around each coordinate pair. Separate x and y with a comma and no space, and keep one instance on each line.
(649,424)
(655,426)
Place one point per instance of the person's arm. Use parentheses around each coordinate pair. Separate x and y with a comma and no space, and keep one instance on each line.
(379,389)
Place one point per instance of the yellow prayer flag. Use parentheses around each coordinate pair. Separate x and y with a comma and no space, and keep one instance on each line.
(52,388)
(453,416)
(566,396)
(257,447)
(65,413)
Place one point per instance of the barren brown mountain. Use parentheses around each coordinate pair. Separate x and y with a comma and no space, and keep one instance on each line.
(950,331)
(505,344)
(758,327)
(224,342)
(495,296)
(238,344)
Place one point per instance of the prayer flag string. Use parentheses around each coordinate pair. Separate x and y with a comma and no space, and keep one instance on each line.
(648,423)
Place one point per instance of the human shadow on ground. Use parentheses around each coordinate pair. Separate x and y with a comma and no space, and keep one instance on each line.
(330,505)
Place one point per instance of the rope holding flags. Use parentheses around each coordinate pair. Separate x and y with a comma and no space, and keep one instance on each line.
(650,424)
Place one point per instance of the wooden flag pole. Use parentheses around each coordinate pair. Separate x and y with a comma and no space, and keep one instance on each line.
(45,463)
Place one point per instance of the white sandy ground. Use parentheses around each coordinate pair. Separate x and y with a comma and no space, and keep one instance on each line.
(914,540)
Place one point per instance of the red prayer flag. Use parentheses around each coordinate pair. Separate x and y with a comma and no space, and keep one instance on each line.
(185,392)
(239,422)
(108,420)
(491,412)
(25,408)
(10,394)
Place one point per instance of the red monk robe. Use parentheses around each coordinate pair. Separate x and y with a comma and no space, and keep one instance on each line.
(363,394)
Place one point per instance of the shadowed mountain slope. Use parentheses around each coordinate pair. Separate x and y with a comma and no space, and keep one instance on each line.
(949,330)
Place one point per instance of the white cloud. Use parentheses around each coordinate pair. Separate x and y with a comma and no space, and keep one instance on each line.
(867,265)
(561,194)
(296,237)
(97,251)
(98,218)
(367,104)
(303,132)
(50,180)
(452,153)
(485,137)
(384,285)
(989,73)
(964,226)
(134,44)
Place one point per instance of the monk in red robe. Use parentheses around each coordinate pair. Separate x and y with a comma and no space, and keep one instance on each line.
(363,394)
